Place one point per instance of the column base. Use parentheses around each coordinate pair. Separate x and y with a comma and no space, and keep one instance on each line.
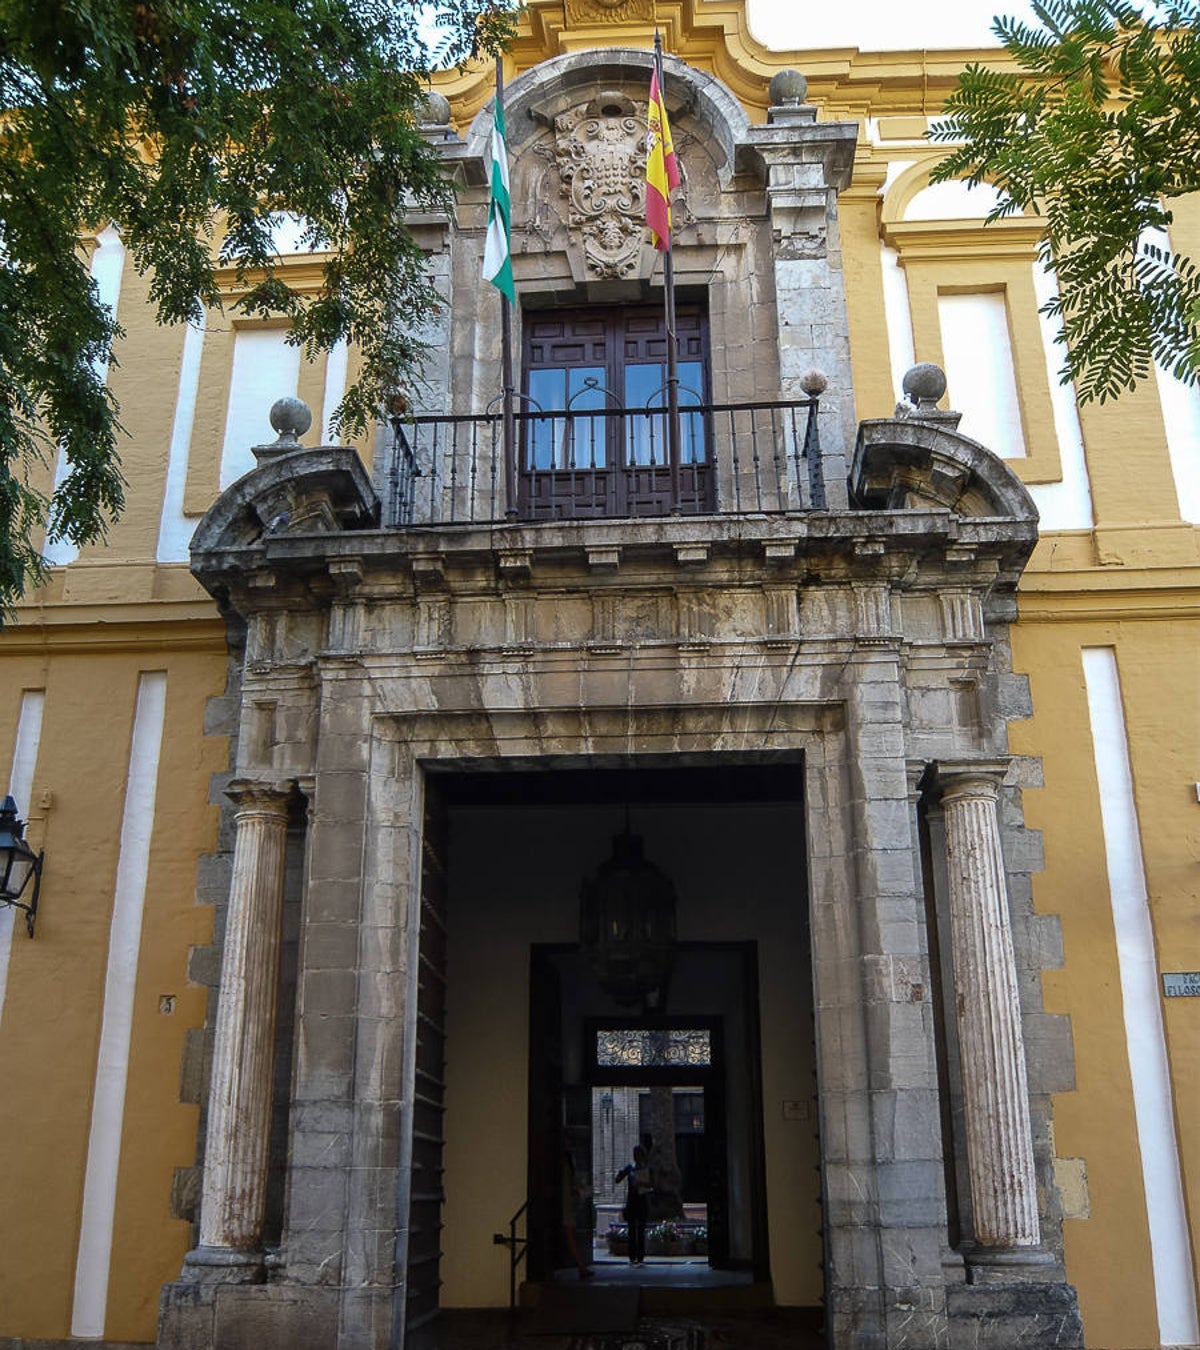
(223,1265)
(1012,1265)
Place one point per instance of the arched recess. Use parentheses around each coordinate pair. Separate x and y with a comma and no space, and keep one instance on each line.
(538,95)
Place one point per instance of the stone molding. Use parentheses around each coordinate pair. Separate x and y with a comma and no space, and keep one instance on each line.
(794,157)
(588,13)
(906,463)
(321,490)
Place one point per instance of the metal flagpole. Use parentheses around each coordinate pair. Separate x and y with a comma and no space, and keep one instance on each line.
(673,429)
(508,424)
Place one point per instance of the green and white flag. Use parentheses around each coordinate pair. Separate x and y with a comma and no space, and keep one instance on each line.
(497,255)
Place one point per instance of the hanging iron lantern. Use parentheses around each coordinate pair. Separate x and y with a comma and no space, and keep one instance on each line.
(19,865)
(627,923)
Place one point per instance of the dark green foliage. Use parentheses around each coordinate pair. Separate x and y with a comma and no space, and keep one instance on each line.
(1098,129)
(172,118)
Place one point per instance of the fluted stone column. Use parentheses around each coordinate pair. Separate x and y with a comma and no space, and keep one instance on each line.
(233,1195)
(987,1001)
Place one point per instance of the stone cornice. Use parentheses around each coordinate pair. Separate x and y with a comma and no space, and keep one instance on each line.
(1013,238)
(913,549)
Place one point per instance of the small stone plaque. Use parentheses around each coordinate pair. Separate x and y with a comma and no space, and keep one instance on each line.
(1181,984)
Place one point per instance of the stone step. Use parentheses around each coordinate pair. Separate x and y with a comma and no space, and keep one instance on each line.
(777,1329)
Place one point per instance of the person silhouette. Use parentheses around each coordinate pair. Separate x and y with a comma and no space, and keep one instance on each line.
(638,1186)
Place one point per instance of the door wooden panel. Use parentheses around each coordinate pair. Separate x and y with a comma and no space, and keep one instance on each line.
(605,361)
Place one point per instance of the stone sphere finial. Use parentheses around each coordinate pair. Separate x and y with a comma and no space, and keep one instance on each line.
(924,384)
(788,89)
(434,110)
(814,382)
(291,418)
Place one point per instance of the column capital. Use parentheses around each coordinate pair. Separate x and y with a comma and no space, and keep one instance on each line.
(262,796)
(916,773)
(963,778)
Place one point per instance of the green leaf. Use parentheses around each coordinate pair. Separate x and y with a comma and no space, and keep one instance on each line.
(1095,123)
(249,110)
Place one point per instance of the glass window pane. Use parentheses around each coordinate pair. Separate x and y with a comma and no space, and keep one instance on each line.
(587,434)
(646,436)
(547,389)
(693,448)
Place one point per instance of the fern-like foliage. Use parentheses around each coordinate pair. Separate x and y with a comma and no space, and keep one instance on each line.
(1098,129)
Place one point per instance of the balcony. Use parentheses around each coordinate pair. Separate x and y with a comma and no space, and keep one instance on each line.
(610,463)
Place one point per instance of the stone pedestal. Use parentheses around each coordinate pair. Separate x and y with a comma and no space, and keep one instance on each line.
(233,1195)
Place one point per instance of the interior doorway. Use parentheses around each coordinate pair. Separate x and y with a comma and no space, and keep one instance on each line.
(685,1086)
(678,1122)
(537,1053)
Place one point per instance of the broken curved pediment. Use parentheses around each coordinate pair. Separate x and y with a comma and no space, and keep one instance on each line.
(906,464)
(323,490)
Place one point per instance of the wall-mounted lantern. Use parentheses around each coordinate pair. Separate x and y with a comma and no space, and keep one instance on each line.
(19,865)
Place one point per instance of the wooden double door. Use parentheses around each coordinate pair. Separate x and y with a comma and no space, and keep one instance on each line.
(593,423)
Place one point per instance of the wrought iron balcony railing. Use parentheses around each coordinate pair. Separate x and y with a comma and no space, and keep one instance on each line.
(606,463)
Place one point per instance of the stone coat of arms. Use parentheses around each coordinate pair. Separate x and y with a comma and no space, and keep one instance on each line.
(600,149)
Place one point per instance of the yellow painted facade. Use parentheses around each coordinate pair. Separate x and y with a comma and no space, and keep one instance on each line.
(1128,581)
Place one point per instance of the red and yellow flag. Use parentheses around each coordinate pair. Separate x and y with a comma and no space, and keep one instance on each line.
(662,170)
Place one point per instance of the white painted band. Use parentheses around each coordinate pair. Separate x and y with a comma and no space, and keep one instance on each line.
(112,1065)
(1149,1066)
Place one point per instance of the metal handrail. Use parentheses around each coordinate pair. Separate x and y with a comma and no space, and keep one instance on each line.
(512,1241)
(452,419)
(454,468)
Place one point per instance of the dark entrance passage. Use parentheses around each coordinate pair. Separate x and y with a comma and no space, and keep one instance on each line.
(536,1052)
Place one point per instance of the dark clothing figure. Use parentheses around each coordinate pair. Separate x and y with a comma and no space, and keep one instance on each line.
(639,1185)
